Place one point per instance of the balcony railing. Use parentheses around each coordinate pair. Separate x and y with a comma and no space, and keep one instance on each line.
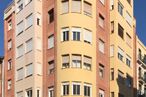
(142,58)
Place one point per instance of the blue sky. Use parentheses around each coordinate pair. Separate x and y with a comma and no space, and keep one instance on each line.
(139,13)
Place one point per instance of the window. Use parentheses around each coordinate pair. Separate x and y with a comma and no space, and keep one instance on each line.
(128,60)
(87,35)
(129,1)
(29,70)
(128,81)
(87,62)
(51,67)
(27,1)
(38,19)
(101,46)
(51,15)
(87,90)
(101,93)
(10,44)
(38,93)
(65,34)
(112,27)
(112,94)
(120,31)
(112,73)
(120,54)
(111,50)
(87,8)
(128,18)
(9,84)
(65,6)
(29,45)
(20,27)
(120,8)
(20,74)
(65,61)
(111,4)
(19,5)
(20,50)
(76,88)
(9,24)
(76,34)
(29,21)
(128,39)
(76,61)
(9,64)
(51,92)
(102,1)
(20,94)
(29,93)
(101,21)
(76,6)
(120,76)
(65,88)
(101,70)
(51,41)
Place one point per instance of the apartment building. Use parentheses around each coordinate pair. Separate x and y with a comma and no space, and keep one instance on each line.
(122,48)
(58,48)
(141,69)
(9,50)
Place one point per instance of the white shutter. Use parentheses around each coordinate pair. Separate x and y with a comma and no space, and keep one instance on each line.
(29,45)
(65,6)
(20,27)
(128,18)
(76,6)
(87,8)
(101,46)
(29,20)
(87,35)
(50,42)
(87,60)
(20,94)
(9,44)
(20,74)
(65,59)
(20,50)
(29,69)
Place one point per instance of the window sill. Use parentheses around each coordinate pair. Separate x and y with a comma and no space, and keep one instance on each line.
(28,51)
(28,27)
(29,76)
(50,48)
(19,57)
(28,3)
(19,80)
(19,33)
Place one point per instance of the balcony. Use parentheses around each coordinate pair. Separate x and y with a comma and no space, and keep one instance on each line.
(142,60)
(142,78)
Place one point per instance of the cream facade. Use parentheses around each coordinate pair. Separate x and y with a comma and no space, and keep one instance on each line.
(28,46)
(121,48)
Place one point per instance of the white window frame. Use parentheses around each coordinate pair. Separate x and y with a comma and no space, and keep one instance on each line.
(29,73)
(102,1)
(20,27)
(75,63)
(29,21)
(101,92)
(101,46)
(9,25)
(65,83)
(49,90)
(29,45)
(88,85)
(64,30)
(9,84)
(76,83)
(28,90)
(77,30)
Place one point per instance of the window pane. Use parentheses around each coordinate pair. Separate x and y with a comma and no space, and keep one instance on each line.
(87,35)
(29,45)
(29,69)
(29,21)
(51,41)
